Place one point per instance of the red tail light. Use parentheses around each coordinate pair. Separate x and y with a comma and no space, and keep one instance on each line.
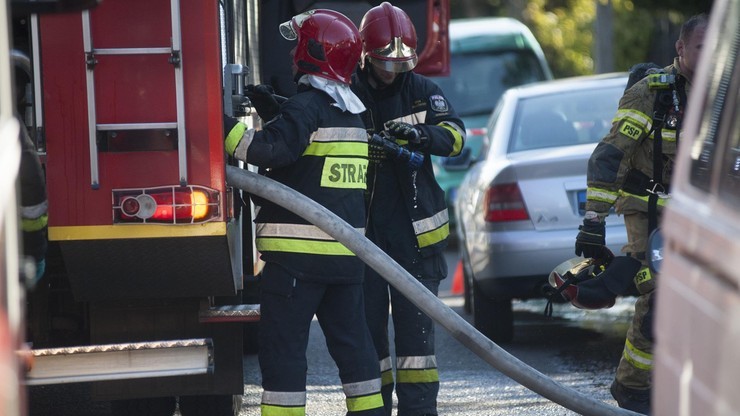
(505,203)
(168,204)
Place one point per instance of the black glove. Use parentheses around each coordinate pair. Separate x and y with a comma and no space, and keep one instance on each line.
(263,101)
(405,131)
(590,241)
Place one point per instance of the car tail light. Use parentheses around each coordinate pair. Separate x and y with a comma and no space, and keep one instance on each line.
(505,203)
(167,204)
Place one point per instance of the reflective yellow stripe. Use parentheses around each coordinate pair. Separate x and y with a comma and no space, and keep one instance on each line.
(661,201)
(35,211)
(418,376)
(417,369)
(386,377)
(234,137)
(339,134)
(291,245)
(433,237)
(112,232)
(602,195)
(639,359)
(667,135)
(639,118)
(336,149)
(305,231)
(358,404)
(456,133)
(386,371)
(345,173)
(413,119)
(37,224)
(432,229)
(270,410)
(643,276)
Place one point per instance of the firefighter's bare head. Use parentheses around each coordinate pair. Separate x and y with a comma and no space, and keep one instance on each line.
(388,39)
(328,45)
(690,42)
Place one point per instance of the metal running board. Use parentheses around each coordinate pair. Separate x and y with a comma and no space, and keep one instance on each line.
(173,53)
(230,313)
(120,361)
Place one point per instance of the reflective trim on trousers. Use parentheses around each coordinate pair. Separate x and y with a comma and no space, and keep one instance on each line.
(283,403)
(638,359)
(417,369)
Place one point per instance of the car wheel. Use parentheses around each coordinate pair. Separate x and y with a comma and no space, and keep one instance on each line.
(494,318)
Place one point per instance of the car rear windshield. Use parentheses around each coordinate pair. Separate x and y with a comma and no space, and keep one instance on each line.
(477,80)
(565,118)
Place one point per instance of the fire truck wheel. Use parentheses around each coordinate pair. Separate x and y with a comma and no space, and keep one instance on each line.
(215,405)
(156,406)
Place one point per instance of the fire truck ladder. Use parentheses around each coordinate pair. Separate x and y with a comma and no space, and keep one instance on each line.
(174,58)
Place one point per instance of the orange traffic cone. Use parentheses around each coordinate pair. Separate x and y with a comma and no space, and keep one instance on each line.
(457,280)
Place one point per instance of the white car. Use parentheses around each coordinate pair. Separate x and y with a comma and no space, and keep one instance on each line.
(697,328)
(519,207)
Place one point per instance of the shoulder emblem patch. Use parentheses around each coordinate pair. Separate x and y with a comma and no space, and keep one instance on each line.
(630,130)
(438,103)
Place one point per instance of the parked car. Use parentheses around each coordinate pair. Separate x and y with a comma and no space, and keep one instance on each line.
(519,207)
(697,325)
(487,56)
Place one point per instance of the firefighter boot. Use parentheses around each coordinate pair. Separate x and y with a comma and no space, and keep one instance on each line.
(636,400)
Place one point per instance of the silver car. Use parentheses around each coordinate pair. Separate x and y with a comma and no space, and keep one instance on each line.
(519,207)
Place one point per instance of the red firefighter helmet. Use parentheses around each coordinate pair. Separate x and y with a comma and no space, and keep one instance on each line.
(388,39)
(568,275)
(596,283)
(328,46)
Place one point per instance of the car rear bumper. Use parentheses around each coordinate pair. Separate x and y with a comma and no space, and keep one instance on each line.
(515,264)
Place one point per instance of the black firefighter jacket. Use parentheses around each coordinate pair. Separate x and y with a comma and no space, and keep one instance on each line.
(407,207)
(320,151)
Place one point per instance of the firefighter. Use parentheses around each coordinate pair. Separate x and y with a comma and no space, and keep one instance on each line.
(407,213)
(315,143)
(34,206)
(623,173)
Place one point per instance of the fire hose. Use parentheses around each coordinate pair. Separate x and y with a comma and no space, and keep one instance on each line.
(430,304)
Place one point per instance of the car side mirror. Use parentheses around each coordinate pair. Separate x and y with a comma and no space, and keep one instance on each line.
(459,162)
(655,251)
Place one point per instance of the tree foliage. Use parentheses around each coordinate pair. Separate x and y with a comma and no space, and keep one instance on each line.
(643,30)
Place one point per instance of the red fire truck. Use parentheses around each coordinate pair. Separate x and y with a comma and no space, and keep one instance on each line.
(150,288)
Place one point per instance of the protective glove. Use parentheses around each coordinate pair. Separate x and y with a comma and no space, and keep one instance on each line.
(594,292)
(405,131)
(263,101)
(234,131)
(591,240)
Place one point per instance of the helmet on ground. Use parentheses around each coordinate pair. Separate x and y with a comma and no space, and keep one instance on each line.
(328,46)
(596,283)
(388,39)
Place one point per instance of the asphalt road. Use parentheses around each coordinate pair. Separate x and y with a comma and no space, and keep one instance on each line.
(579,349)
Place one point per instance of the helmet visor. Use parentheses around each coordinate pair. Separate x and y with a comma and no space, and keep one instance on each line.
(393,66)
(394,57)
(288,29)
